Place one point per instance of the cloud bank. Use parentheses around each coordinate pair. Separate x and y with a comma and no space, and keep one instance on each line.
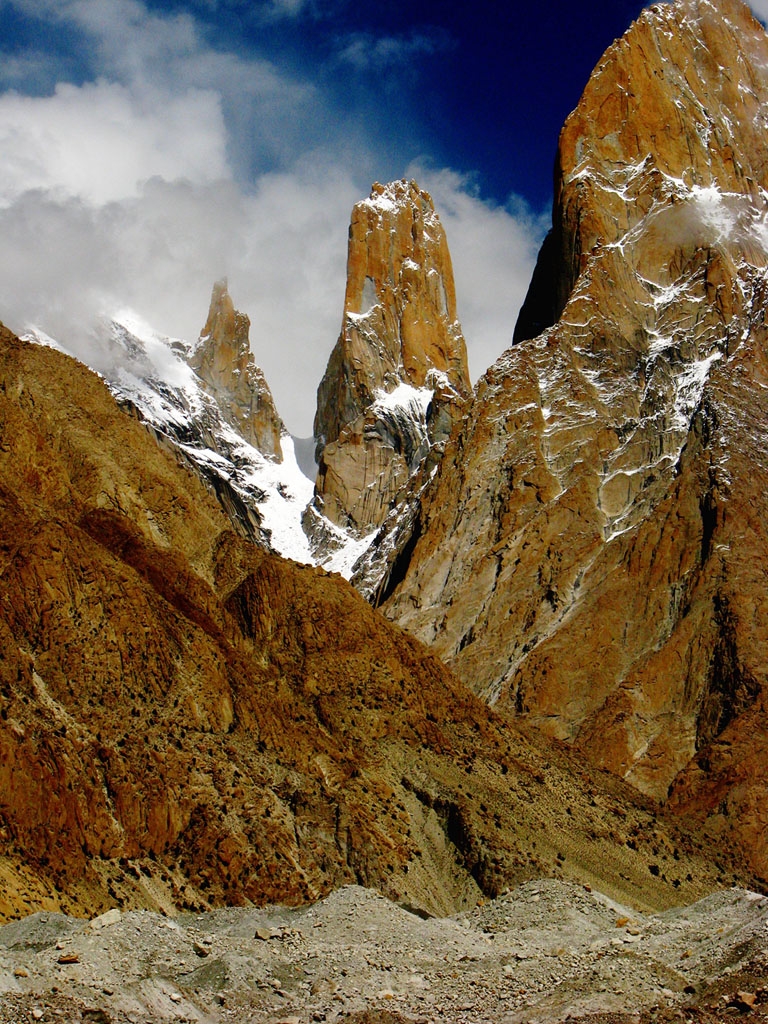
(174,163)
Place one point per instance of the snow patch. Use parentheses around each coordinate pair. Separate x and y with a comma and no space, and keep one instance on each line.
(287,493)
(369,298)
(37,337)
(381,202)
(344,559)
(403,397)
(715,213)
(689,387)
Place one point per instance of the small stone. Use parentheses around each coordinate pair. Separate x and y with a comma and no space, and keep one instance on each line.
(104,920)
(96,1016)
(200,949)
(69,958)
(175,997)
(20,972)
(264,933)
(37,1013)
(322,984)
(745,1000)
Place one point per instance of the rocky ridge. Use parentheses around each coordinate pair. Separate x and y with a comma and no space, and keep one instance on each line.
(397,379)
(396,382)
(603,580)
(208,402)
(188,720)
(222,358)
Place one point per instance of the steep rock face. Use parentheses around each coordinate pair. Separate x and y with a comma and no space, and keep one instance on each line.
(186,719)
(224,361)
(398,377)
(594,553)
(208,422)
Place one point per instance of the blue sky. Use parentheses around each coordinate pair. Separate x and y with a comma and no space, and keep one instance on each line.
(148,148)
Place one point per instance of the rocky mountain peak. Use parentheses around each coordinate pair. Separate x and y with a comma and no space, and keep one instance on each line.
(398,376)
(223,360)
(675,107)
(601,581)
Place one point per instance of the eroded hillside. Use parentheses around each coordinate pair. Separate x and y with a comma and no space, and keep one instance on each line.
(188,720)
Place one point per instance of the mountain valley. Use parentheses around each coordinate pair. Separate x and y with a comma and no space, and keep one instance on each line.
(495,678)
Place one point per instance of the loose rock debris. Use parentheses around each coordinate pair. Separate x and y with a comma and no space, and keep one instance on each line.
(548,952)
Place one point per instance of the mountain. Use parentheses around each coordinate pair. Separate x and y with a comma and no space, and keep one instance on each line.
(187,719)
(209,403)
(223,359)
(591,557)
(396,383)
(397,379)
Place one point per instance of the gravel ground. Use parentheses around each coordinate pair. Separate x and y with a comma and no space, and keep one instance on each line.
(547,952)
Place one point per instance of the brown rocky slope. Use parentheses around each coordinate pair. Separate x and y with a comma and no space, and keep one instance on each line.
(186,719)
(594,554)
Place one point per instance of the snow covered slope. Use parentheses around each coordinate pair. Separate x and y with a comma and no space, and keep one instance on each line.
(265,498)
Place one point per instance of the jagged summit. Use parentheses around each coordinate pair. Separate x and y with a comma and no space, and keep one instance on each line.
(398,374)
(675,106)
(223,360)
(209,402)
(395,384)
(594,552)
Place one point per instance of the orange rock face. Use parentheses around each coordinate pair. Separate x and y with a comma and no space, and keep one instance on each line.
(188,720)
(224,361)
(398,375)
(593,556)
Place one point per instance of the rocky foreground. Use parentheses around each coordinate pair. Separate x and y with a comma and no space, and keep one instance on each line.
(547,951)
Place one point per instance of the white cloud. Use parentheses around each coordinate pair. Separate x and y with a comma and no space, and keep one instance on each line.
(286,8)
(180,164)
(100,141)
(366,52)
(270,116)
